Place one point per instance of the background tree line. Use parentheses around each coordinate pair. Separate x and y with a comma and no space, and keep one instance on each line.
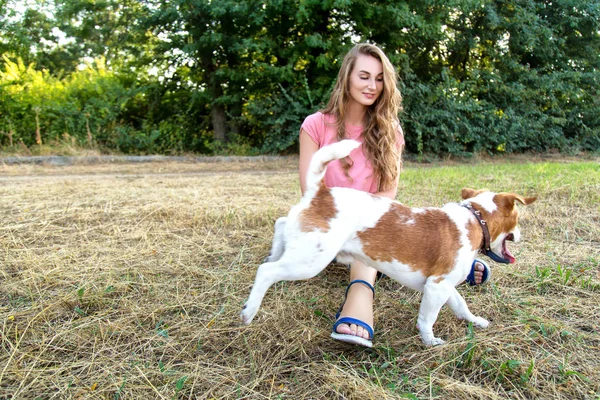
(156,76)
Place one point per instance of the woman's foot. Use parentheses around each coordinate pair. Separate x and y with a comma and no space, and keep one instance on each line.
(480,273)
(479,268)
(358,305)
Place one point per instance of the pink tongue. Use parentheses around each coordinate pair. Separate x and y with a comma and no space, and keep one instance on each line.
(507,254)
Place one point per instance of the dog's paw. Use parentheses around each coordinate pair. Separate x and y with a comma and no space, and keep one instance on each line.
(434,342)
(429,340)
(247,314)
(481,323)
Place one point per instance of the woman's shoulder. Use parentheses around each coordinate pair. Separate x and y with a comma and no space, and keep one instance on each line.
(319,120)
(321,117)
(320,127)
(314,122)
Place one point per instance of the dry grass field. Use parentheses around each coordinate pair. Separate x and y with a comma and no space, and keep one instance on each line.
(122,281)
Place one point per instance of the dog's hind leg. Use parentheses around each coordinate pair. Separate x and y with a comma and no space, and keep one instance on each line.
(278,241)
(459,307)
(295,264)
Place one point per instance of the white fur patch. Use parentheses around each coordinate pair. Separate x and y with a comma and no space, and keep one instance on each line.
(486,201)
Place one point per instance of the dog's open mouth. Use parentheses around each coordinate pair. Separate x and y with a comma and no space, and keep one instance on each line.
(505,252)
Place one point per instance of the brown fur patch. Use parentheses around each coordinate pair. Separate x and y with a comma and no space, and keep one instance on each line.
(320,211)
(505,218)
(467,193)
(429,245)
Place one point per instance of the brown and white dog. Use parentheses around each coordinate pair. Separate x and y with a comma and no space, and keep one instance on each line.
(427,249)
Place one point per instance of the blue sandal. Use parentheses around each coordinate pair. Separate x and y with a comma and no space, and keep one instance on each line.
(345,337)
(487,273)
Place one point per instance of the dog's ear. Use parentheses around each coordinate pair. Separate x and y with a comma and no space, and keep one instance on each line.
(468,193)
(526,200)
(506,201)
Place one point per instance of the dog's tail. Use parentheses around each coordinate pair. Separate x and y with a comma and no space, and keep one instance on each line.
(318,164)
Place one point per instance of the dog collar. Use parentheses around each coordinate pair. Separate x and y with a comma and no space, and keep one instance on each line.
(486,248)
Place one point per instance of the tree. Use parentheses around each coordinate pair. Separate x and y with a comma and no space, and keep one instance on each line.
(489,75)
(202,75)
(109,29)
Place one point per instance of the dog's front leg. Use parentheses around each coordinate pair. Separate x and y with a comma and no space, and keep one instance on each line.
(267,275)
(459,307)
(435,294)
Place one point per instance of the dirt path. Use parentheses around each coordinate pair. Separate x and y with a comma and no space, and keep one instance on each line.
(131,176)
(97,159)
(138,169)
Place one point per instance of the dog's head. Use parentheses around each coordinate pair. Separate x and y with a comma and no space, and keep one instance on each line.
(501,216)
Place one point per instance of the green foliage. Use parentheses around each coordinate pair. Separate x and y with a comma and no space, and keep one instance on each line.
(498,77)
(277,119)
(94,102)
(92,97)
(548,277)
(241,76)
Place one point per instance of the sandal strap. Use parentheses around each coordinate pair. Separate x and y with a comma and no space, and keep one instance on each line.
(360,281)
(350,320)
(485,273)
(348,288)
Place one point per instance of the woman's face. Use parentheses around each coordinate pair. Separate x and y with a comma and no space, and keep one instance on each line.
(366,80)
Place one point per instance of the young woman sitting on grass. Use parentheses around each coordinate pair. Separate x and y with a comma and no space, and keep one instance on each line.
(364,106)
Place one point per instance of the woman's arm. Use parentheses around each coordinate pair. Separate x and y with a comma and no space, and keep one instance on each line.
(307,148)
(391,193)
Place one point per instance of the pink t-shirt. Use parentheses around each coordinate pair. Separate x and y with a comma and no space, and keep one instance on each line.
(321,128)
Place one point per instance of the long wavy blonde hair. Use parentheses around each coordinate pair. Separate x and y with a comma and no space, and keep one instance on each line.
(381,121)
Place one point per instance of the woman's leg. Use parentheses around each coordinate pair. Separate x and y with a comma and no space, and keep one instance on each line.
(359,303)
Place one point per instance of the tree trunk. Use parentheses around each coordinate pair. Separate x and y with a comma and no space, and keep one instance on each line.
(235,114)
(38,135)
(10,134)
(219,122)
(217,111)
(89,132)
